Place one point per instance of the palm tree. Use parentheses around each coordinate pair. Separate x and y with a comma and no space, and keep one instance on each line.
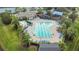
(73,16)
(70,39)
(26,41)
(24,9)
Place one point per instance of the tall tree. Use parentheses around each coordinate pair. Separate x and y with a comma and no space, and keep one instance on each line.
(73,15)
(6,17)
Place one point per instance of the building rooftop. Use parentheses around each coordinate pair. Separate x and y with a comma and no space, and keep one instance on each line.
(57,13)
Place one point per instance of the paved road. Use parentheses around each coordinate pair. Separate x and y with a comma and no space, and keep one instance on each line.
(49,47)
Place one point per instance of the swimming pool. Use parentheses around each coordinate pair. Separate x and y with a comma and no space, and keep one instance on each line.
(43,30)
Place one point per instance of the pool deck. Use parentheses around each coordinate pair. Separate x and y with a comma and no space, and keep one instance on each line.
(55,37)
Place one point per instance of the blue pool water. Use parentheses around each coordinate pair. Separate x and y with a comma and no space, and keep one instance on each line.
(42,30)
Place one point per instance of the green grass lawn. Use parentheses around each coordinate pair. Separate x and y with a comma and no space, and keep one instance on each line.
(9,39)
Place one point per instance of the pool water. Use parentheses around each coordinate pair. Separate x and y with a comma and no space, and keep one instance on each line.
(43,30)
